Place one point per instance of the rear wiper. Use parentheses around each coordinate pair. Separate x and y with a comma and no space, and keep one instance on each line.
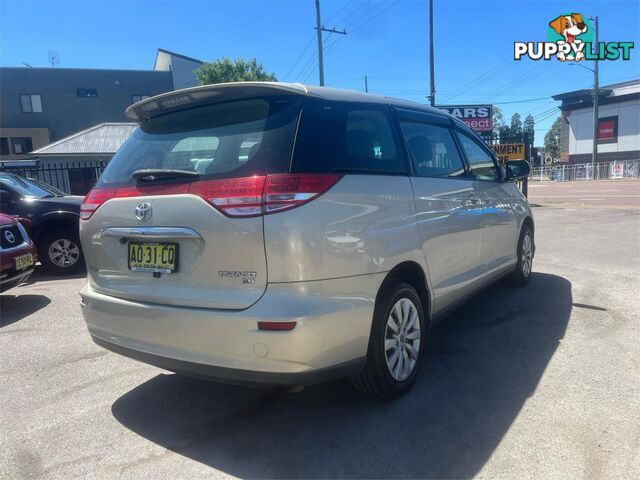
(155,174)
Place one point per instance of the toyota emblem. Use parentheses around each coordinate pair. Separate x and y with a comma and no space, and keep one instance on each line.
(9,237)
(143,211)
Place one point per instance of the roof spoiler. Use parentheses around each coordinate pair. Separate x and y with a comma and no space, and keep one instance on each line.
(221,92)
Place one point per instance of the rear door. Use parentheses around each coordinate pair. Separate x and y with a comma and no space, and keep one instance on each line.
(448,210)
(189,230)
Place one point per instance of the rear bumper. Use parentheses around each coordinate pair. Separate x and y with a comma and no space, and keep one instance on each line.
(330,338)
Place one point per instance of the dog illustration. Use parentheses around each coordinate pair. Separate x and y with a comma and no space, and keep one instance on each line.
(569,26)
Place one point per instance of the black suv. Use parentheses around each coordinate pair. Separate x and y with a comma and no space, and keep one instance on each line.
(51,218)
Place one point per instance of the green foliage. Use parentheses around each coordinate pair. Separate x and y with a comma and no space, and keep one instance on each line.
(498,122)
(552,139)
(516,128)
(239,70)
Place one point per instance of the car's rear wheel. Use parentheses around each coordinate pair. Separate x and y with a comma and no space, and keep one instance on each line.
(60,252)
(396,343)
(522,271)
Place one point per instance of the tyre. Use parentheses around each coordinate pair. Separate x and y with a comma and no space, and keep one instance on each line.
(60,252)
(396,343)
(522,272)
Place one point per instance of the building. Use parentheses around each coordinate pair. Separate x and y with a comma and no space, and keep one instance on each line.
(182,68)
(74,163)
(618,123)
(43,105)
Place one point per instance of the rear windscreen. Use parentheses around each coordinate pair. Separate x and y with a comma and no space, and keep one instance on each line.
(232,139)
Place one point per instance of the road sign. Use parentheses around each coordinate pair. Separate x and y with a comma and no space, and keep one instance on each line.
(509,151)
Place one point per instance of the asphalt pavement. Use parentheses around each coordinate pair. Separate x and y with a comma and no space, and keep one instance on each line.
(538,382)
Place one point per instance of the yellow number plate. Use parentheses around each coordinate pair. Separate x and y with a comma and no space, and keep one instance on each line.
(153,257)
(24,261)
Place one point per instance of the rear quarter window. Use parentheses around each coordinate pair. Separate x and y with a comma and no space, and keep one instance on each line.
(350,137)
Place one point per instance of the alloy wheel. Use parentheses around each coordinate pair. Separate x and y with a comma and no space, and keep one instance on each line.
(64,253)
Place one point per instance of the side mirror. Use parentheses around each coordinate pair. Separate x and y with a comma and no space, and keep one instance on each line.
(517,169)
(5,197)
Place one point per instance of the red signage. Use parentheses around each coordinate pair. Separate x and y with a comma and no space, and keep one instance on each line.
(608,130)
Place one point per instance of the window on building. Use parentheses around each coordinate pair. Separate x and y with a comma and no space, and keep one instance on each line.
(4,146)
(31,103)
(137,98)
(87,92)
(21,145)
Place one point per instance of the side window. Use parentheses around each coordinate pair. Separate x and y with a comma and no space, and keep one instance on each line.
(343,136)
(432,149)
(480,161)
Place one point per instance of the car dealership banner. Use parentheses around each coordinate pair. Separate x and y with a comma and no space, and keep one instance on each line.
(477,117)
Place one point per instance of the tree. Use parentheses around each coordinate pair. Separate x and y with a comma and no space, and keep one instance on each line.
(516,128)
(226,70)
(505,134)
(528,134)
(498,122)
(552,139)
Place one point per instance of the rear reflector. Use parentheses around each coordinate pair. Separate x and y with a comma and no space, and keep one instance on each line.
(235,197)
(276,326)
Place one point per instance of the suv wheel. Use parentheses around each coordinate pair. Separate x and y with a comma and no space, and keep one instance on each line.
(396,343)
(522,272)
(60,253)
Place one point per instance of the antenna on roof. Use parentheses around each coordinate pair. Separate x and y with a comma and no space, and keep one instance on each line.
(54,59)
(27,65)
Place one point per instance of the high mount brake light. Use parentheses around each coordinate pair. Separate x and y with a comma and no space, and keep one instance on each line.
(234,197)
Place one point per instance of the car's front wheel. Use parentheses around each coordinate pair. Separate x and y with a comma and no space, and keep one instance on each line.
(522,271)
(60,252)
(396,343)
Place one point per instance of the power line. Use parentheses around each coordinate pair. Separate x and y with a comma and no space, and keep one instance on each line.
(300,56)
(380,12)
(338,12)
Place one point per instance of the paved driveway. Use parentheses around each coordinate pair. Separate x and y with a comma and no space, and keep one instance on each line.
(537,382)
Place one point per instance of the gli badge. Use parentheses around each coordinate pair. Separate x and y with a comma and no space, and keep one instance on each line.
(144,211)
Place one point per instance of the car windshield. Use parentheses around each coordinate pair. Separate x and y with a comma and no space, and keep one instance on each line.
(28,187)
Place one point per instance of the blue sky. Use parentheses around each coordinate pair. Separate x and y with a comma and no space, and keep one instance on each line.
(387,40)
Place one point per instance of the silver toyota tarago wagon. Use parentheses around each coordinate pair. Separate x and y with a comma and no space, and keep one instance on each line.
(279,234)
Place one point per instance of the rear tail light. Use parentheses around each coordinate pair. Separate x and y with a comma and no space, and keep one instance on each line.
(234,197)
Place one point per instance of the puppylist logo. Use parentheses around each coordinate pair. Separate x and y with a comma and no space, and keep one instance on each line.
(570,37)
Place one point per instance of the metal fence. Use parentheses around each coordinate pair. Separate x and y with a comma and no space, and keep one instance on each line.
(75,178)
(586,171)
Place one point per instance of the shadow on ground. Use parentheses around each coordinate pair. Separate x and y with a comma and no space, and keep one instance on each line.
(41,275)
(483,362)
(16,307)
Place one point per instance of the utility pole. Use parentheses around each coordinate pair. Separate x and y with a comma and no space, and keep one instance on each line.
(366,84)
(319,29)
(596,94)
(319,33)
(432,92)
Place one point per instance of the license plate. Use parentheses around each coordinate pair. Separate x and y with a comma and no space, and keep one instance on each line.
(23,261)
(153,257)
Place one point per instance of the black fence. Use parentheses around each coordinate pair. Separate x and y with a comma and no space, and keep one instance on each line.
(75,178)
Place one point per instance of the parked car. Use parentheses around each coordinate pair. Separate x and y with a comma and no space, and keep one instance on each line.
(18,255)
(51,218)
(352,226)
